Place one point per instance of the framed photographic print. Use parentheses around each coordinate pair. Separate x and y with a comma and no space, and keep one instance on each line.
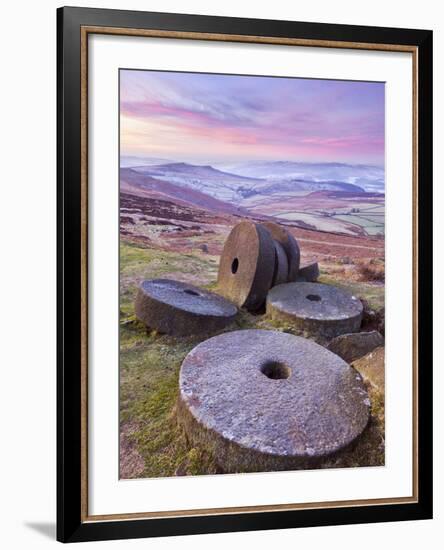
(245,269)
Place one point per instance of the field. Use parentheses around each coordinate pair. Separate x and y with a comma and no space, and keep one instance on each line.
(347,213)
(161,237)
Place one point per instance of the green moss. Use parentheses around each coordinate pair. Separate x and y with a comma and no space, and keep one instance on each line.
(138,263)
(149,372)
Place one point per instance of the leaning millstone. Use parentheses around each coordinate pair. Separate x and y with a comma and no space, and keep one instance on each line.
(355,345)
(289,244)
(309,273)
(180,309)
(280,274)
(315,308)
(246,265)
(263,400)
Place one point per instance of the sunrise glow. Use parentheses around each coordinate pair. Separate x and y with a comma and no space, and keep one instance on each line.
(207,117)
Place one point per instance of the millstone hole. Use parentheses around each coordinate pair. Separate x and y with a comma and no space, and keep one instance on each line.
(234,266)
(192,292)
(313,297)
(275,370)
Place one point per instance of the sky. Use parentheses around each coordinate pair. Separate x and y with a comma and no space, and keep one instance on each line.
(210,118)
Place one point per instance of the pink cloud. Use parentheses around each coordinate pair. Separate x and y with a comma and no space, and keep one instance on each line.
(259,115)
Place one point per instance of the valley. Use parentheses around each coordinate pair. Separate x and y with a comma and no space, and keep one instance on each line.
(312,200)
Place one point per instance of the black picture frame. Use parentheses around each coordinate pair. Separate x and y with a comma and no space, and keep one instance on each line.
(71,523)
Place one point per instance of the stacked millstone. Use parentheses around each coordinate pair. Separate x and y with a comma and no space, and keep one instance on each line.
(180,309)
(255,258)
(260,263)
(263,400)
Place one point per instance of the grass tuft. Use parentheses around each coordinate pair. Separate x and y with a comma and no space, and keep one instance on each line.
(371,270)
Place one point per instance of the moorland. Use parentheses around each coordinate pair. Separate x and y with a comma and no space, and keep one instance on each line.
(174,219)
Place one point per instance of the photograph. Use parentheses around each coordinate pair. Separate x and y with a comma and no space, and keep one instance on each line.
(225,228)
(244,273)
(252,273)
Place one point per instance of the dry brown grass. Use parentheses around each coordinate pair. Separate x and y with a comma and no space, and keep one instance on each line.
(371,270)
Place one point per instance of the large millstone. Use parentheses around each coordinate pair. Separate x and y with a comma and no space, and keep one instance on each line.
(247,265)
(289,244)
(315,308)
(180,309)
(264,400)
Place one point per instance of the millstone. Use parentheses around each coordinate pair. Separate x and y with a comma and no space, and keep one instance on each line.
(264,400)
(290,245)
(280,274)
(180,309)
(315,308)
(246,265)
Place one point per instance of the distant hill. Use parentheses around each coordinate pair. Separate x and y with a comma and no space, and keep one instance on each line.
(206,179)
(193,169)
(296,185)
(322,204)
(240,189)
(128,161)
(368,177)
(132,181)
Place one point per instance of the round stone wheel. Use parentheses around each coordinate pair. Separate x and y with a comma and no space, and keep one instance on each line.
(290,245)
(280,274)
(263,400)
(246,265)
(180,309)
(315,308)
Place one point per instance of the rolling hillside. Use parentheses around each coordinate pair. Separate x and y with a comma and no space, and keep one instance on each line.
(289,194)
